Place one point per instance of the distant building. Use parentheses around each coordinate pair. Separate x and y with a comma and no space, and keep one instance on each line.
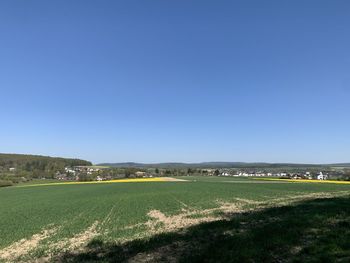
(12,169)
(99,178)
(69,170)
(208,171)
(61,177)
(308,175)
(322,176)
(140,174)
(296,176)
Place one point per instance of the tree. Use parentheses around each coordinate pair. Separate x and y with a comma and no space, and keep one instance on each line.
(346,175)
(217,172)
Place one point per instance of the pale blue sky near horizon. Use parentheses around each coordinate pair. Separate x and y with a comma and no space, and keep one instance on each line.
(176,81)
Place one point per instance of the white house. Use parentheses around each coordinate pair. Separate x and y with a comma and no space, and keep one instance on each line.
(99,178)
(308,175)
(69,170)
(322,176)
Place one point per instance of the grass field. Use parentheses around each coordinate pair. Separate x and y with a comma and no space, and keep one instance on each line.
(116,222)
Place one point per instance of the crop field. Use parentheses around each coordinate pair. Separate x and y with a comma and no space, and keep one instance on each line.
(159,220)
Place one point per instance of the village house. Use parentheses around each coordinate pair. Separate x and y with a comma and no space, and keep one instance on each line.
(61,176)
(322,176)
(69,170)
(140,174)
(208,171)
(308,175)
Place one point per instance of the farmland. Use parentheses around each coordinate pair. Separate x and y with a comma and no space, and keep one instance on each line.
(121,221)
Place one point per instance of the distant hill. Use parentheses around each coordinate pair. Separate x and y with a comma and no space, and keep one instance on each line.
(37,162)
(340,165)
(216,165)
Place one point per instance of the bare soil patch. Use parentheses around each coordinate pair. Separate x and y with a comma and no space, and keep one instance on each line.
(171,179)
(160,223)
(76,242)
(22,247)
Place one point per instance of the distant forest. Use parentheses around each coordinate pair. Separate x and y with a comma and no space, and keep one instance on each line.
(15,167)
(37,162)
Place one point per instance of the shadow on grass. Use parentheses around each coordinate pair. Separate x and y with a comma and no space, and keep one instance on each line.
(310,231)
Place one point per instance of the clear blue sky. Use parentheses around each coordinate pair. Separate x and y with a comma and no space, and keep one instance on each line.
(155,81)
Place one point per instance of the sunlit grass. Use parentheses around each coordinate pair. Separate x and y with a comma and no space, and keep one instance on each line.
(136,180)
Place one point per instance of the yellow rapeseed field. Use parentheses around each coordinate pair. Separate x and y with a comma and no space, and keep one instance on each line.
(304,180)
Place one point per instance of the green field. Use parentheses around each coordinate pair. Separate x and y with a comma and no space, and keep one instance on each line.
(102,221)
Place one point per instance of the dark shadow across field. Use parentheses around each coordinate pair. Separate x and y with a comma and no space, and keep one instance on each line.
(309,231)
